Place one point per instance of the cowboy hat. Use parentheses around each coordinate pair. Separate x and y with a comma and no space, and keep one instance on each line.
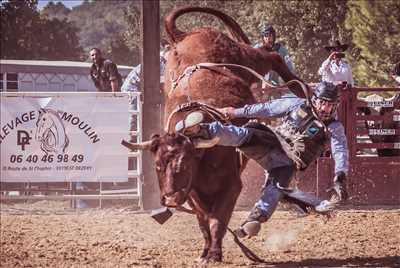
(336,46)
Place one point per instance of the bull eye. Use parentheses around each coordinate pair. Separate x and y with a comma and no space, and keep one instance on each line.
(159,165)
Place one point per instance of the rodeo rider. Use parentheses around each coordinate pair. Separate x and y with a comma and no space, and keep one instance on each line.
(308,125)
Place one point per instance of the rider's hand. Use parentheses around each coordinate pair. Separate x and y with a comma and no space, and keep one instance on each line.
(332,56)
(340,187)
(228,112)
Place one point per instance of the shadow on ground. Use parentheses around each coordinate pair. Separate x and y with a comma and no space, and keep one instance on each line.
(389,261)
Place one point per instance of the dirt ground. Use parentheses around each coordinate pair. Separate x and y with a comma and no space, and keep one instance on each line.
(49,234)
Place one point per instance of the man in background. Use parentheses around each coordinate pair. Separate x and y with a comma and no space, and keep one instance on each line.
(132,81)
(335,68)
(104,73)
(132,84)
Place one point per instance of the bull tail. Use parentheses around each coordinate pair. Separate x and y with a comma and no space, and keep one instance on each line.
(175,35)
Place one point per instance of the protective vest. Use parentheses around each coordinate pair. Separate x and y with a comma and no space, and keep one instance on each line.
(303,136)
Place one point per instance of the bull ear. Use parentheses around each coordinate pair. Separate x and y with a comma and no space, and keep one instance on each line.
(137,146)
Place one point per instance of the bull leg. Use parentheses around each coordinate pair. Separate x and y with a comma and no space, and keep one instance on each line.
(205,230)
(219,218)
(202,218)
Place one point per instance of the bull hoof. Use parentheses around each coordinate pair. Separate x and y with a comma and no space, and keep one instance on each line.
(210,258)
(214,257)
(201,260)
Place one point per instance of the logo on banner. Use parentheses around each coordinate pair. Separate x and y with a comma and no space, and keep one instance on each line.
(23,139)
(50,132)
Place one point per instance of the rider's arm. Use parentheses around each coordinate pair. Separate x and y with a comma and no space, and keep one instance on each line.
(274,108)
(341,155)
(339,149)
(324,69)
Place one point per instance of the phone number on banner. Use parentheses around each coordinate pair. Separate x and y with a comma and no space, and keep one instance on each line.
(47,158)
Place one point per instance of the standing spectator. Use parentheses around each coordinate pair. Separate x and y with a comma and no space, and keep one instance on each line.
(132,84)
(268,35)
(132,81)
(335,69)
(104,73)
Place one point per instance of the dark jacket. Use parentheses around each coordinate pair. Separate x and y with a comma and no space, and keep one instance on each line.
(104,74)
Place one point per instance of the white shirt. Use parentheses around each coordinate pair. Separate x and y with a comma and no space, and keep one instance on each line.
(132,81)
(336,73)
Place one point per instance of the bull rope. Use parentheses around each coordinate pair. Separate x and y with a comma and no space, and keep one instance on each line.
(187,73)
(246,251)
(264,83)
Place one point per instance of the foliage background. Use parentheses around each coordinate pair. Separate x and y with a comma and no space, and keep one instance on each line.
(371,27)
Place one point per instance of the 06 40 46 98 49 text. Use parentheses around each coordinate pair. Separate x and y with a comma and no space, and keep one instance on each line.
(47,158)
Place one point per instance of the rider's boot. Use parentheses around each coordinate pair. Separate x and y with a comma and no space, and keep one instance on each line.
(191,123)
(192,126)
(252,225)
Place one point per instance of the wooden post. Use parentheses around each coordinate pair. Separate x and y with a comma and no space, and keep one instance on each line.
(150,84)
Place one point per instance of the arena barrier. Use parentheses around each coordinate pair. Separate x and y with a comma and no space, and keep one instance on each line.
(126,184)
(372,125)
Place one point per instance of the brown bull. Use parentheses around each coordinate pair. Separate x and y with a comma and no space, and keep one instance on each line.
(207,179)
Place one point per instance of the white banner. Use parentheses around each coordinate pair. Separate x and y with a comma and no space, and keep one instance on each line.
(49,137)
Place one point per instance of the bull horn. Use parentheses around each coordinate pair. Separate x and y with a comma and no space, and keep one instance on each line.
(137,146)
(202,144)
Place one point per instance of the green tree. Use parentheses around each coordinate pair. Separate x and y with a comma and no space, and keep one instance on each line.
(27,35)
(303,26)
(102,24)
(375,30)
(133,13)
(17,19)
(55,11)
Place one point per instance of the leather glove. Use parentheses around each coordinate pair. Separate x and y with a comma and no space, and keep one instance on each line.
(339,187)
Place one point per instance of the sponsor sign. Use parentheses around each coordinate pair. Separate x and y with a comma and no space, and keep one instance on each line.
(63,137)
(382,132)
(380,104)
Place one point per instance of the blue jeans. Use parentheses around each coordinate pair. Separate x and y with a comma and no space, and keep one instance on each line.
(258,142)
(271,194)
